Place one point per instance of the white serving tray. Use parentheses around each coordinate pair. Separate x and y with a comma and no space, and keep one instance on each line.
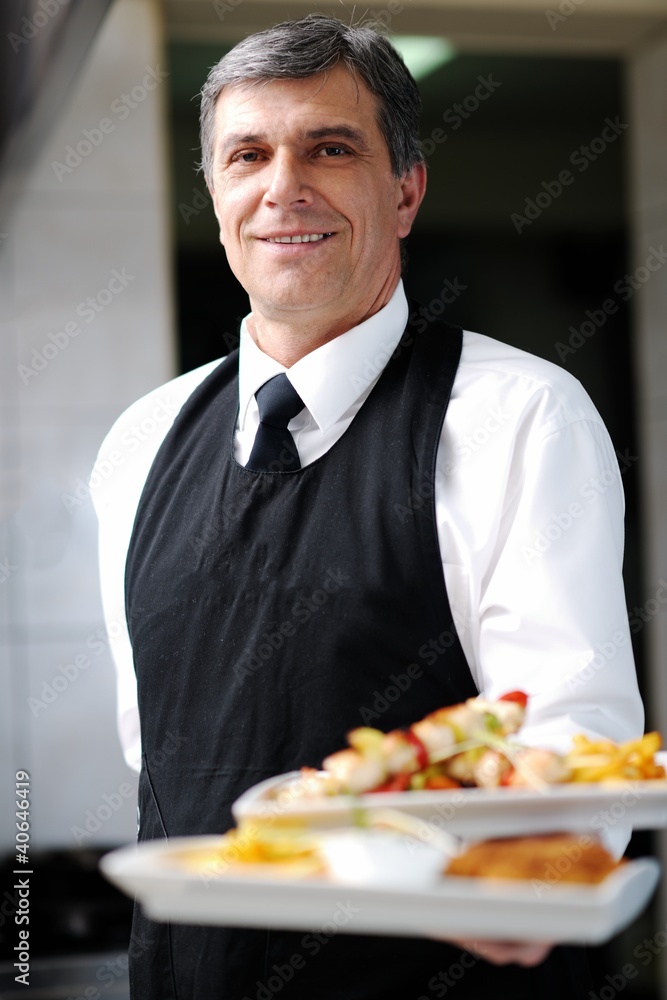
(473,812)
(453,906)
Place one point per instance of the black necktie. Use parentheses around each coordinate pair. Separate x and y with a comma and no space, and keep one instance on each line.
(274,449)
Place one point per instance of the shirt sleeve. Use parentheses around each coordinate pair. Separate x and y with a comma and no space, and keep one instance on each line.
(537,591)
(553,606)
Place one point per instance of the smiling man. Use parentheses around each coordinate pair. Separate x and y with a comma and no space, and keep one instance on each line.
(309,206)
(323,467)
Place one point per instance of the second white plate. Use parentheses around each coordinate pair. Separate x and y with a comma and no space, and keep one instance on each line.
(473,812)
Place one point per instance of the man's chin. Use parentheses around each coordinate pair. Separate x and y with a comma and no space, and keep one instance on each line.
(295,306)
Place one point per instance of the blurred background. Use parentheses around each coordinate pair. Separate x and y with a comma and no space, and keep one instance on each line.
(112,281)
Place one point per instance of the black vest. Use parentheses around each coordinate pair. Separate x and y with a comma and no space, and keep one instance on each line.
(270,613)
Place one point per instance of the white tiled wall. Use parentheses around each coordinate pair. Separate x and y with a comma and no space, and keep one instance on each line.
(65,239)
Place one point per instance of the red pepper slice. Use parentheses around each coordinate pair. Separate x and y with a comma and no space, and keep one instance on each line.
(422,752)
(398,783)
(520,697)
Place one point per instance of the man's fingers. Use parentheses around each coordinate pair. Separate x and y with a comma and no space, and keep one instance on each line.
(504,952)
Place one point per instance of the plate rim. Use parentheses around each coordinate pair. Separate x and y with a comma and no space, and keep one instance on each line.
(605,903)
(573,792)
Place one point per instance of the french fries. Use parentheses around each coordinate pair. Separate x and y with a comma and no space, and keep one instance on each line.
(604,761)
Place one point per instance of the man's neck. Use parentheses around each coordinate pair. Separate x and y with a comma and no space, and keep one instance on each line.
(287,343)
(287,340)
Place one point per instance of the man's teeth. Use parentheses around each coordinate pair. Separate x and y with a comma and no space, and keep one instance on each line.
(312,238)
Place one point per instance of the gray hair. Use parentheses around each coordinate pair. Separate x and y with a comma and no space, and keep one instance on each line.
(315,44)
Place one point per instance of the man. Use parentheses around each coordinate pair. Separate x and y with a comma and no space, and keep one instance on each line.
(315,514)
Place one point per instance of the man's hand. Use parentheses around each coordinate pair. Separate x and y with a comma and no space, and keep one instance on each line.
(504,952)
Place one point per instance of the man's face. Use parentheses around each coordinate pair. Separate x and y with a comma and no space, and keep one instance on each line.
(306,158)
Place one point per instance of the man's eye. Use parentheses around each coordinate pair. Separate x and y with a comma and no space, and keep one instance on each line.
(332,151)
(247,156)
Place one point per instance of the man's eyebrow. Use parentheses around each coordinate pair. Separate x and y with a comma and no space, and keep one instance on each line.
(356,136)
(339,132)
(240,139)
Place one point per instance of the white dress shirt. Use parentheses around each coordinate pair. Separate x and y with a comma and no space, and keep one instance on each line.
(529,508)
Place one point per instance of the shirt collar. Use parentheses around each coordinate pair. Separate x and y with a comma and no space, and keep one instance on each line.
(332,377)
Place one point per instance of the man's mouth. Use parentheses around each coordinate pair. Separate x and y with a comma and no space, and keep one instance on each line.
(307,238)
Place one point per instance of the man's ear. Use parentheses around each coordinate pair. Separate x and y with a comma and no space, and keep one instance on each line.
(412,189)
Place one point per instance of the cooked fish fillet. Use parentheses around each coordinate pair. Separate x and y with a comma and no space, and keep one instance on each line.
(558,857)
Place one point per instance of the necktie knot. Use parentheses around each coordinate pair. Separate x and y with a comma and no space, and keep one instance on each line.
(278,401)
(274,450)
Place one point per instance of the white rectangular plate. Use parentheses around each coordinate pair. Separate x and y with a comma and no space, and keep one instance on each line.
(474,812)
(454,906)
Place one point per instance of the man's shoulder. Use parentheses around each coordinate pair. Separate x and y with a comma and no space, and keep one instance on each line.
(157,408)
(129,448)
(490,366)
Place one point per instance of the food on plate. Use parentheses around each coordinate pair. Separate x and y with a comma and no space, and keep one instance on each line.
(286,851)
(412,758)
(602,760)
(527,767)
(469,745)
(549,859)
(392,848)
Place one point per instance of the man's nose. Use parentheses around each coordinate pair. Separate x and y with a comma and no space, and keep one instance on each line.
(288,180)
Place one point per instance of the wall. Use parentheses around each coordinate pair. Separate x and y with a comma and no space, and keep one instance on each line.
(86,329)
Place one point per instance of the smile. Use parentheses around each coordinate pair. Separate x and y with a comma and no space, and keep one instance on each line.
(312,238)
